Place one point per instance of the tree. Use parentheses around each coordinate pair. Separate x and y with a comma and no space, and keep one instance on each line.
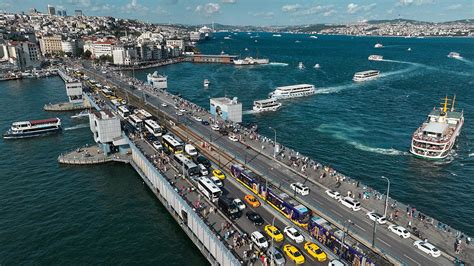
(87,54)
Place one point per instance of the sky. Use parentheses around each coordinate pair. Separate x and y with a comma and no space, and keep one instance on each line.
(257,12)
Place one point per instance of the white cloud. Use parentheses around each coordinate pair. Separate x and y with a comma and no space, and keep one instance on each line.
(105,7)
(454,7)
(264,15)
(134,7)
(208,9)
(83,3)
(329,13)
(414,2)
(354,8)
(229,1)
(291,8)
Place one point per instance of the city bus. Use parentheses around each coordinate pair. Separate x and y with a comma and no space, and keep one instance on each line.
(144,113)
(153,127)
(209,189)
(135,122)
(115,102)
(188,167)
(123,111)
(171,144)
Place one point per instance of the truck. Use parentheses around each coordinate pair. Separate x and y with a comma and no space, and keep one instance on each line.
(229,208)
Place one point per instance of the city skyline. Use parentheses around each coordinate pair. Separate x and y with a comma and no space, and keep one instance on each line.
(261,13)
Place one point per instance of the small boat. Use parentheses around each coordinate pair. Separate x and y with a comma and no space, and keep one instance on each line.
(297,41)
(313,37)
(378,45)
(300,65)
(206,83)
(227,38)
(276,35)
(454,55)
(82,114)
(317,66)
(409,49)
(34,128)
(375,57)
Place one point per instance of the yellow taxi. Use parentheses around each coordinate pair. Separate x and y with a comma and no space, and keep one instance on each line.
(273,232)
(315,251)
(252,201)
(293,253)
(218,173)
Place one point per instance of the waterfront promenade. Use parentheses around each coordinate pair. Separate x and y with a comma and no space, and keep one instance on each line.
(280,172)
(91,155)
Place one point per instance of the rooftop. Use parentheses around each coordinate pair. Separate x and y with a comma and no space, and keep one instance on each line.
(437,128)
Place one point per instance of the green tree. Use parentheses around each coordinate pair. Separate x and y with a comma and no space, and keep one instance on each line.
(87,54)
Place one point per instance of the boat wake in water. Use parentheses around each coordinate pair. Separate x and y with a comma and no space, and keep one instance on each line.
(277,64)
(249,112)
(77,127)
(335,89)
(391,151)
(467,61)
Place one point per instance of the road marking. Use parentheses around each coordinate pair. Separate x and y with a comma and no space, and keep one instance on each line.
(384,242)
(337,213)
(417,263)
(360,227)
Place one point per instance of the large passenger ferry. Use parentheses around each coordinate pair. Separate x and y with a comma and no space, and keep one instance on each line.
(366,75)
(34,128)
(435,138)
(266,105)
(251,61)
(293,91)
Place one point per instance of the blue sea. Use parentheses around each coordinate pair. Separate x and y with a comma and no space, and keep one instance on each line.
(104,214)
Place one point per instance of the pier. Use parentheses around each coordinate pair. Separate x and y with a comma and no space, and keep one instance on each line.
(207,58)
(74,93)
(287,166)
(91,155)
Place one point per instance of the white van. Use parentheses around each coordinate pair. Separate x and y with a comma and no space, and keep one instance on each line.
(217,181)
(203,170)
(350,203)
(189,149)
(300,188)
(259,240)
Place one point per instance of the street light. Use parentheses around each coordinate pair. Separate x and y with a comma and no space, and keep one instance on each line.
(274,142)
(386,198)
(346,226)
(271,253)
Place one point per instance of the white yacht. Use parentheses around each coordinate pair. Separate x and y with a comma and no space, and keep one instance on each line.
(206,83)
(270,104)
(454,55)
(157,81)
(378,45)
(366,75)
(375,57)
(317,66)
(409,49)
(313,37)
(435,138)
(293,91)
(300,65)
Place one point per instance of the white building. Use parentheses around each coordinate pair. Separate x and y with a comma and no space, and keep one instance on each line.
(227,109)
(105,126)
(69,46)
(99,48)
(21,55)
(175,43)
(123,55)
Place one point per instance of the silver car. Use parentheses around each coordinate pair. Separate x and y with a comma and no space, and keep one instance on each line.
(277,256)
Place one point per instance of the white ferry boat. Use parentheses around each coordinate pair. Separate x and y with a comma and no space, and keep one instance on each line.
(266,105)
(157,81)
(293,91)
(454,55)
(366,75)
(251,61)
(375,57)
(435,138)
(378,45)
(313,37)
(34,128)
(206,83)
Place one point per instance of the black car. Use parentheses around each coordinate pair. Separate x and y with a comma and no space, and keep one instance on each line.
(254,217)
(204,161)
(223,132)
(204,122)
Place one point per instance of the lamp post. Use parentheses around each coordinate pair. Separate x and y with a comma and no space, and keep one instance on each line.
(386,198)
(271,254)
(346,226)
(274,142)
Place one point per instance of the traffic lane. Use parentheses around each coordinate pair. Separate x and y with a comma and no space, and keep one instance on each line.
(239,192)
(363,226)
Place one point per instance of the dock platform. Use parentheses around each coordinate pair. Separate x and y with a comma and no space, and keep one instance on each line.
(67,106)
(91,155)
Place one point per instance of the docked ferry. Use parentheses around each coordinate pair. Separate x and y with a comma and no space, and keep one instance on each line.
(157,81)
(270,104)
(375,57)
(366,75)
(454,55)
(34,128)
(293,91)
(435,138)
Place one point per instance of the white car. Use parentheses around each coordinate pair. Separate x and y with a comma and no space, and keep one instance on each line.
(164,104)
(293,234)
(157,145)
(259,240)
(215,127)
(233,138)
(399,231)
(300,188)
(240,204)
(179,113)
(182,110)
(197,118)
(427,248)
(380,219)
(335,263)
(333,194)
